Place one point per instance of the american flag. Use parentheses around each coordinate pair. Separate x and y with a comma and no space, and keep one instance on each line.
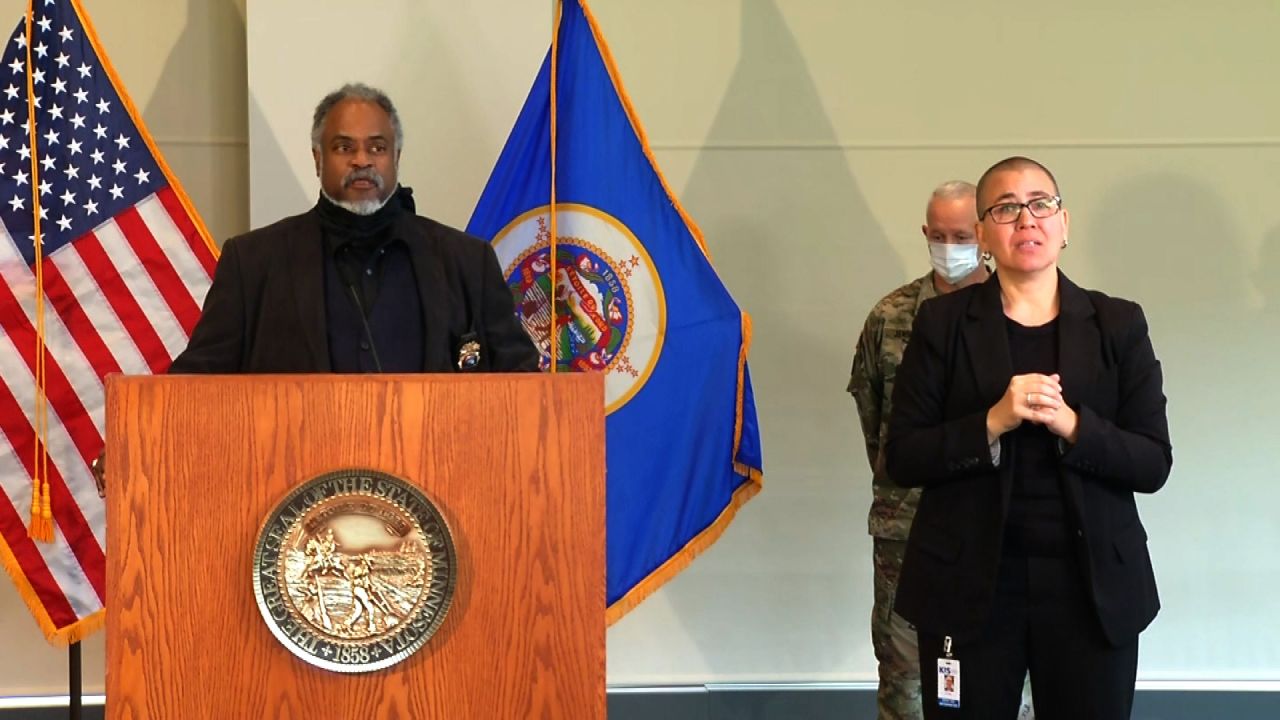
(125,266)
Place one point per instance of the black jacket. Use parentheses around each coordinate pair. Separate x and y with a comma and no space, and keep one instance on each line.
(955,368)
(265,312)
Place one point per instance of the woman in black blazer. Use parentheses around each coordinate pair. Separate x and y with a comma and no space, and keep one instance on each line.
(1030,411)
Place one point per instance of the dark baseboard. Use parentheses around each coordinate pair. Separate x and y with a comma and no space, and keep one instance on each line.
(723,702)
(45,713)
(782,703)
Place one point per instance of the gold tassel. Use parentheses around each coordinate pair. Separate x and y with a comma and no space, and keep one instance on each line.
(41,513)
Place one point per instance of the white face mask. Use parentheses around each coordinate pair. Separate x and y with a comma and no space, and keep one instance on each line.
(953,262)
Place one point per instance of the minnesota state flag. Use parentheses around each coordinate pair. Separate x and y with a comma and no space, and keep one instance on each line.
(577,196)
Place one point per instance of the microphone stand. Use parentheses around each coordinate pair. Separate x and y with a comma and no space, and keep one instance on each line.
(350,282)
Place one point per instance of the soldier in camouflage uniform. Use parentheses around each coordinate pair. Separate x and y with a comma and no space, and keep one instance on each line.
(949,227)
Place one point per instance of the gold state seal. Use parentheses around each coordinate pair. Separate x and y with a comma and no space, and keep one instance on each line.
(354,570)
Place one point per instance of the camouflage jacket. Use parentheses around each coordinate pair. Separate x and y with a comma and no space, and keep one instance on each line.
(875,363)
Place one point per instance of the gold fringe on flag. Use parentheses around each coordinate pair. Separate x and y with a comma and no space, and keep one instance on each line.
(60,636)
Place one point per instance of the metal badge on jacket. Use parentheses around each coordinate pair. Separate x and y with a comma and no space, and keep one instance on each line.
(469,352)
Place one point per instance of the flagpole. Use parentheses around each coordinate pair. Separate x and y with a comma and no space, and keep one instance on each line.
(41,528)
(555,56)
(74,685)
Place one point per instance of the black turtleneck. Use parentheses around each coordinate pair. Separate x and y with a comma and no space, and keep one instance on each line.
(366,253)
(1037,522)
(353,241)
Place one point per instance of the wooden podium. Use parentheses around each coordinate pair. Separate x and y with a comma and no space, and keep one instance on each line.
(514,462)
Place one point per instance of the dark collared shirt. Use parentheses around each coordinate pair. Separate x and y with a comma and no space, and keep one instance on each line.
(381,273)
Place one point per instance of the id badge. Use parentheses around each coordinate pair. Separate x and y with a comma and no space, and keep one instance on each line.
(948,682)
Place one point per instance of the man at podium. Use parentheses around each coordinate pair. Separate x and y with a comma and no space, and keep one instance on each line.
(359,283)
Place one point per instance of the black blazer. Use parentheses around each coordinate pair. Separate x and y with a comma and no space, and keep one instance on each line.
(955,368)
(265,312)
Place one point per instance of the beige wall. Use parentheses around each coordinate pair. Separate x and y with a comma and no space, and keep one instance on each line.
(458,73)
(804,136)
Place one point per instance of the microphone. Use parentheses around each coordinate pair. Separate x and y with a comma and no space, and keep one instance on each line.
(344,270)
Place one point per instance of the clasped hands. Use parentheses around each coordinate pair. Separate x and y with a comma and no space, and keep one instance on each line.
(1033,398)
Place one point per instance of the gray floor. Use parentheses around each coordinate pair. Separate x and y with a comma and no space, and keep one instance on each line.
(837,704)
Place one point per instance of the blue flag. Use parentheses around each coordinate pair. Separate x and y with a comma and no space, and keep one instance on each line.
(634,297)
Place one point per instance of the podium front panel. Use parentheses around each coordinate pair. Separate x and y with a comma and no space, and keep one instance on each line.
(515,463)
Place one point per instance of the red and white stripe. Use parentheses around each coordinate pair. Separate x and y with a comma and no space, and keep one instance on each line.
(121,299)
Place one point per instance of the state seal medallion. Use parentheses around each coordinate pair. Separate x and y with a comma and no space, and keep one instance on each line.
(354,570)
(597,306)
